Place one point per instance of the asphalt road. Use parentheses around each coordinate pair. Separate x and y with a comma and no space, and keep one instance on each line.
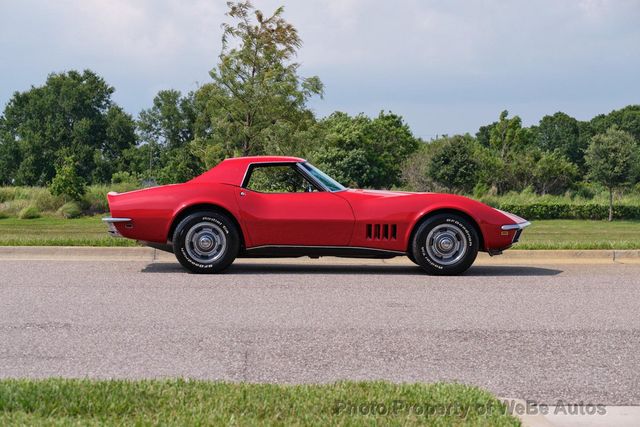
(542,332)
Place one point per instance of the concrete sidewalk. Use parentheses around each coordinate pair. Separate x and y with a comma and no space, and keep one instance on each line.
(91,253)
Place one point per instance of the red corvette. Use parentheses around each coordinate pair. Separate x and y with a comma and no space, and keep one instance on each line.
(285,207)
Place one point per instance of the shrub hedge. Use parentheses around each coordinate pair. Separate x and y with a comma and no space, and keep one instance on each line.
(570,211)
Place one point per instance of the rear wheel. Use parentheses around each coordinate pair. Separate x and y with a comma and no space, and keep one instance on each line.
(206,242)
(445,244)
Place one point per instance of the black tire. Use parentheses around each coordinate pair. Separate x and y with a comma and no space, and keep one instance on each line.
(452,248)
(410,256)
(218,242)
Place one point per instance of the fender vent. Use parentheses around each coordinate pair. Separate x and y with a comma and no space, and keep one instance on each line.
(381,231)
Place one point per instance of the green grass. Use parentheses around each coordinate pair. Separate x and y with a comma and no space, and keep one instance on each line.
(53,231)
(542,234)
(180,402)
(580,234)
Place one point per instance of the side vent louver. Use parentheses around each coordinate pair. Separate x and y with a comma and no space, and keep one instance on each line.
(381,231)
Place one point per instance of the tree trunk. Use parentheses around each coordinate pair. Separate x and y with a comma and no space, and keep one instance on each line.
(610,204)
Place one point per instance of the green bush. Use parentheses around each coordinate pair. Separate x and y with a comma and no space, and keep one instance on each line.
(30,212)
(16,193)
(13,207)
(125,178)
(95,199)
(7,193)
(570,211)
(45,201)
(3,215)
(67,182)
(70,210)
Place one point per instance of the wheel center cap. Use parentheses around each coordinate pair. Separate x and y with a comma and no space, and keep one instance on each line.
(205,242)
(446,244)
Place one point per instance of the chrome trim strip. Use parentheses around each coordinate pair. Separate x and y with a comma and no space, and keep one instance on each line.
(518,226)
(301,170)
(327,247)
(243,183)
(111,220)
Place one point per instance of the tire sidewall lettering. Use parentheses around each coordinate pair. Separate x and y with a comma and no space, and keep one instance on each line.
(197,264)
(186,228)
(463,227)
(453,221)
(217,222)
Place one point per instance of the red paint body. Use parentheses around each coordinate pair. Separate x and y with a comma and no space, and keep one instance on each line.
(301,219)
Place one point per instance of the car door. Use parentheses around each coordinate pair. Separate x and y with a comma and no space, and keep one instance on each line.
(280,206)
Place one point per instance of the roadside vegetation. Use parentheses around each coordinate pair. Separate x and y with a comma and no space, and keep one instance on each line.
(39,201)
(543,234)
(581,234)
(179,402)
(56,231)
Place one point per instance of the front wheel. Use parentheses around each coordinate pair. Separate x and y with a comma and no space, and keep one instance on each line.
(206,242)
(445,244)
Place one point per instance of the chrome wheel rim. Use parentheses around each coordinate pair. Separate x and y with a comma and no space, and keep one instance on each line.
(446,244)
(205,242)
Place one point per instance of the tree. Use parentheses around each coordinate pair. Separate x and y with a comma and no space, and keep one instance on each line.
(180,165)
(562,133)
(483,136)
(626,119)
(553,173)
(67,183)
(611,157)
(9,155)
(454,164)
(257,100)
(170,122)
(365,152)
(119,136)
(506,135)
(168,129)
(504,142)
(71,114)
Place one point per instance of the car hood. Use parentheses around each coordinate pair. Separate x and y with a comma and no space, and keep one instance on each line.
(384,193)
(382,202)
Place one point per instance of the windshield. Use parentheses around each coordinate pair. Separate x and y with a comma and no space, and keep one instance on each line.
(328,182)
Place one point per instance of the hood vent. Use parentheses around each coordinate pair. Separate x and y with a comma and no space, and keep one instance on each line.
(381,231)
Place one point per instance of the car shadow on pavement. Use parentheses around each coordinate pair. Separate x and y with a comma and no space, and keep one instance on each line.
(266,268)
(510,270)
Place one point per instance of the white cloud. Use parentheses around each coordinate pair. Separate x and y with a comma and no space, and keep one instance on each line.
(141,31)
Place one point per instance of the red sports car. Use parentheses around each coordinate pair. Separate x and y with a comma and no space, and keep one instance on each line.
(285,207)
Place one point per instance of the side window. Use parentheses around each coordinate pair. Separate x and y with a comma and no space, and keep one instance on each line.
(278,179)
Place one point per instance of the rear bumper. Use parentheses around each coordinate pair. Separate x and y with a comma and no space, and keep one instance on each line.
(111,223)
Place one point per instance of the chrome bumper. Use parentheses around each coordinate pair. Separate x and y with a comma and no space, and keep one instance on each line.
(519,226)
(111,224)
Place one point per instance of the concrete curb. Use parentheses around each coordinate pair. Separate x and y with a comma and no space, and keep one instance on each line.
(94,253)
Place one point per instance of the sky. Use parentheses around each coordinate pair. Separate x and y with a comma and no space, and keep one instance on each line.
(446,66)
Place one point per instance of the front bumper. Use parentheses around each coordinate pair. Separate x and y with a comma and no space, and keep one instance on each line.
(518,227)
(111,223)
